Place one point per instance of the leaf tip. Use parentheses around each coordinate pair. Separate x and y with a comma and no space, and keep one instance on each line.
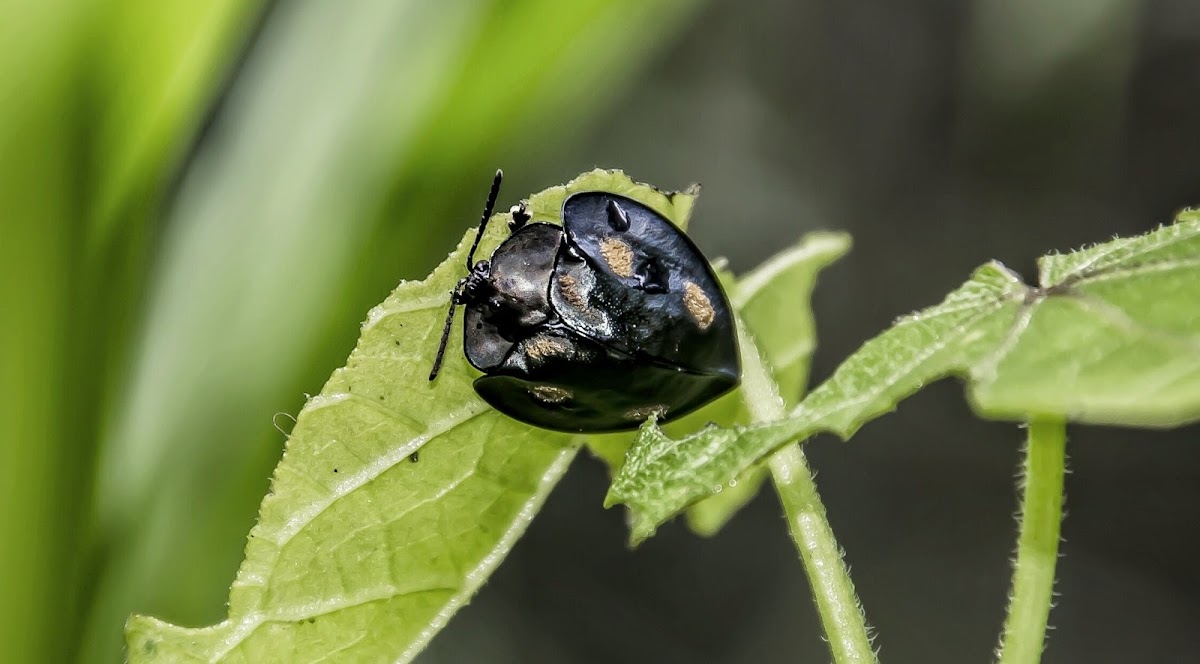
(705,526)
(640,529)
(640,526)
(833,243)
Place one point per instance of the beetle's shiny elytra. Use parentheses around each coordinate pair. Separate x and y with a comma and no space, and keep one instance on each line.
(595,325)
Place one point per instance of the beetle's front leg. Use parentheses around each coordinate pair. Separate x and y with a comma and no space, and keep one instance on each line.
(520,216)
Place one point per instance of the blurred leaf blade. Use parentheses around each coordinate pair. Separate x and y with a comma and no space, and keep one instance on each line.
(40,60)
(158,66)
(564,79)
(155,72)
(64,98)
(1132,358)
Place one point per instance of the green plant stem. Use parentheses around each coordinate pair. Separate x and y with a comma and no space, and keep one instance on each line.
(1037,547)
(840,611)
(841,614)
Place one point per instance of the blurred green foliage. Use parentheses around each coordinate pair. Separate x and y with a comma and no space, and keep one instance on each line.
(199,201)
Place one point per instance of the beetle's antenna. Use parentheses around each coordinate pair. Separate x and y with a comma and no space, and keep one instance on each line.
(441,351)
(456,295)
(487,214)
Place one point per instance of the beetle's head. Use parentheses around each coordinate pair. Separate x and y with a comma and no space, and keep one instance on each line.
(476,286)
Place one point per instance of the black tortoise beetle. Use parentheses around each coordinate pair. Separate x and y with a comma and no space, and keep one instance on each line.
(595,325)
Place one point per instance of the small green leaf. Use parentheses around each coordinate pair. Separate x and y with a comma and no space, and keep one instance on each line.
(360,553)
(773,303)
(1111,336)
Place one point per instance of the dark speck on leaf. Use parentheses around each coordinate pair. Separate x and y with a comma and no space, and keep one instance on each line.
(335,470)
(414,456)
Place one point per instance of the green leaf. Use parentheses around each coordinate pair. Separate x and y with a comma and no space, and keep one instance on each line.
(773,303)
(1110,336)
(359,552)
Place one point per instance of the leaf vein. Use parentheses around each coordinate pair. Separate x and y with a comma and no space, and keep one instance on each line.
(442,492)
(382,312)
(1117,318)
(376,468)
(1137,270)
(1177,233)
(884,384)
